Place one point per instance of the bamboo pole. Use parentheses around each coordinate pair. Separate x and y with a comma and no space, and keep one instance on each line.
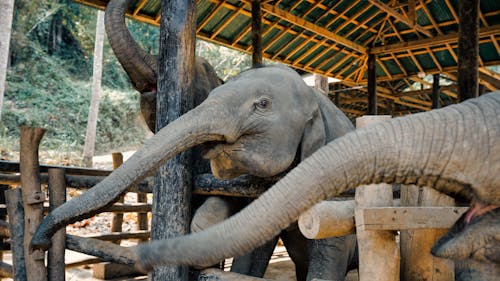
(33,198)
(56,254)
(15,211)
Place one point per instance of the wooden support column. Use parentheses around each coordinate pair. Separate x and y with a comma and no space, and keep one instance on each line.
(33,199)
(173,181)
(321,83)
(57,197)
(372,85)
(378,251)
(417,263)
(256,33)
(15,211)
(468,49)
(117,220)
(435,91)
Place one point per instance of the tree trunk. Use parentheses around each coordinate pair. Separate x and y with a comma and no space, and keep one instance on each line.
(89,147)
(6,10)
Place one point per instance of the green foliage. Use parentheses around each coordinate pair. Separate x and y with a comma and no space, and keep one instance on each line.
(49,78)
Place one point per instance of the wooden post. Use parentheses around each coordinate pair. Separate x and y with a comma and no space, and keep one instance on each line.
(33,199)
(256,33)
(142,218)
(6,13)
(468,49)
(435,91)
(57,197)
(15,211)
(173,181)
(417,263)
(321,83)
(117,220)
(372,85)
(378,250)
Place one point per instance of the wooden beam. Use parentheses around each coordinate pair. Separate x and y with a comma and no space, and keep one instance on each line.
(490,77)
(423,92)
(313,28)
(430,42)
(468,49)
(384,7)
(256,33)
(372,85)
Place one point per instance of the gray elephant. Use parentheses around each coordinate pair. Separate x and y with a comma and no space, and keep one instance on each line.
(141,68)
(259,123)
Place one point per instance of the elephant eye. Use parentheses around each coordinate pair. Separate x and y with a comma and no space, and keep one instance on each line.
(263,103)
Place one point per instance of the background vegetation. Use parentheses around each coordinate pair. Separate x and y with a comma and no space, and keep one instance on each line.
(50,72)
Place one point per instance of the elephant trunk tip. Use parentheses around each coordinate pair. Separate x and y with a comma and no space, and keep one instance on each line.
(42,238)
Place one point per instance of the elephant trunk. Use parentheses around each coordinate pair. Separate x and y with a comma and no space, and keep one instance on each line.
(195,127)
(455,150)
(140,66)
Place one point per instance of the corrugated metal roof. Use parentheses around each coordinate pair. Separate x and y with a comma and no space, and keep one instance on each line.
(333,38)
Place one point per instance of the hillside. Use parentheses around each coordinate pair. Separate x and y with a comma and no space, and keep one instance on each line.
(49,80)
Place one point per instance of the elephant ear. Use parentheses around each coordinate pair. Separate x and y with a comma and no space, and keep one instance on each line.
(314,135)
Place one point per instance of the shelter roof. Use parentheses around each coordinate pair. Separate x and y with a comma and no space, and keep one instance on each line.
(411,38)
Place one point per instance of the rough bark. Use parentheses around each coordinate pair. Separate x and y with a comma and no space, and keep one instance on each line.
(468,49)
(56,254)
(89,146)
(6,12)
(33,198)
(16,214)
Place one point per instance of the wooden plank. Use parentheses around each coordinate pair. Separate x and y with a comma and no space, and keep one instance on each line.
(430,42)
(384,7)
(311,27)
(397,218)
(56,253)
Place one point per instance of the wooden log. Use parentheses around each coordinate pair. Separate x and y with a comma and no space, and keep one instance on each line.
(106,251)
(139,234)
(33,198)
(173,181)
(117,220)
(468,49)
(16,214)
(435,91)
(243,186)
(213,274)
(417,263)
(372,85)
(56,254)
(328,219)
(256,33)
(107,270)
(378,250)
(13,167)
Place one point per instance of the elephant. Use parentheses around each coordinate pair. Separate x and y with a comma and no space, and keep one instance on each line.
(455,150)
(260,123)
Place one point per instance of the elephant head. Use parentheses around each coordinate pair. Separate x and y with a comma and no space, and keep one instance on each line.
(254,124)
(455,150)
(141,67)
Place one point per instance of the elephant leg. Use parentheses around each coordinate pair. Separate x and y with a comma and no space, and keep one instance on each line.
(297,246)
(255,263)
(331,258)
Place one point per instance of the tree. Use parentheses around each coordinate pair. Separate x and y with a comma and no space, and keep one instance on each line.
(89,146)
(6,10)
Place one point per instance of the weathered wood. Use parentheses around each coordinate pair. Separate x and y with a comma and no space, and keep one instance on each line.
(142,217)
(435,91)
(417,263)
(106,251)
(15,211)
(372,85)
(321,83)
(139,234)
(106,271)
(117,220)
(378,250)
(13,167)
(468,49)
(243,186)
(256,34)
(328,219)
(213,274)
(33,198)
(57,197)
(173,181)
